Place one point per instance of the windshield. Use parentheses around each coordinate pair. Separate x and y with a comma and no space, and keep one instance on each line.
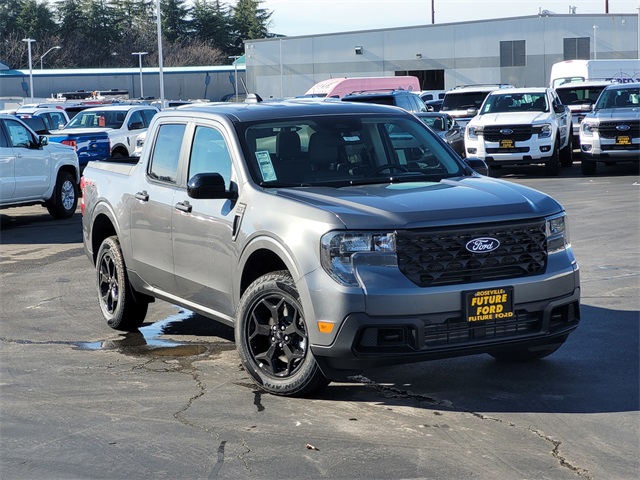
(345,150)
(619,98)
(579,95)
(463,101)
(517,102)
(97,119)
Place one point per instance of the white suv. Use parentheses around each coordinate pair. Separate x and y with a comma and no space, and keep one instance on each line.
(522,126)
(611,133)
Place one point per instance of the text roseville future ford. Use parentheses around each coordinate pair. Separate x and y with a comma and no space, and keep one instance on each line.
(332,236)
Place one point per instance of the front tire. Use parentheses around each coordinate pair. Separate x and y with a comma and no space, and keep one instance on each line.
(64,200)
(588,167)
(566,154)
(120,306)
(552,166)
(272,338)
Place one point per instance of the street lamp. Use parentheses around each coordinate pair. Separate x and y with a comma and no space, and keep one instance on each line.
(45,53)
(29,41)
(140,54)
(235,78)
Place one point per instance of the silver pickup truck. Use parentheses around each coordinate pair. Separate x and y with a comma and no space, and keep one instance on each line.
(333,237)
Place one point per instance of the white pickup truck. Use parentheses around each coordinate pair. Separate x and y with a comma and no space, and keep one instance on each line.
(106,131)
(522,126)
(33,171)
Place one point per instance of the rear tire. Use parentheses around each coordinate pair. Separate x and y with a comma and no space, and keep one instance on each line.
(121,307)
(272,338)
(64,200)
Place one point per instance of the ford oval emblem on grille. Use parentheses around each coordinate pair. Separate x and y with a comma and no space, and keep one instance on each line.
(482,245)
(623,128)
(506,131)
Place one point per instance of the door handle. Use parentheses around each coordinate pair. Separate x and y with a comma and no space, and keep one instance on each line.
(143,195)
(184,206)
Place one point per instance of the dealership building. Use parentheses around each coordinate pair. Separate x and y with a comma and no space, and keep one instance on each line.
(519,51)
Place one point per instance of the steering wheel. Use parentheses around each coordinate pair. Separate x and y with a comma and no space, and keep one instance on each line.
(390,167)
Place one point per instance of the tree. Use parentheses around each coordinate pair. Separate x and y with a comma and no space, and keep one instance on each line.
(211,23)
(175,20)
(249,22)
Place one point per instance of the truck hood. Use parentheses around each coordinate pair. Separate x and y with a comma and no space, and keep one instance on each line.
(511,118)
(620,114)
(451,201)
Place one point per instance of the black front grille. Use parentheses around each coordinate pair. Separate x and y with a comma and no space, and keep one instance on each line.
(520,133)
(508,150)
(439,257)
(457,331)
(610,129)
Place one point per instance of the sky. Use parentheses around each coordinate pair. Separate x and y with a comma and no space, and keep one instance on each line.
(313,17)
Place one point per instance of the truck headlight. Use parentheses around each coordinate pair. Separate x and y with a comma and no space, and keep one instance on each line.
(588,128)
(338,248)
(557,233)
(544,130)
(474,131)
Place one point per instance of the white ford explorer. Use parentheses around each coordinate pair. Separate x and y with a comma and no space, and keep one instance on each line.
(522,126)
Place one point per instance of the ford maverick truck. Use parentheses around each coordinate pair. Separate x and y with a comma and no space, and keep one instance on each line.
(332,237)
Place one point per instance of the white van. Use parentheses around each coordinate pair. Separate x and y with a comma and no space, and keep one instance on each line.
(569,71)
(339,87)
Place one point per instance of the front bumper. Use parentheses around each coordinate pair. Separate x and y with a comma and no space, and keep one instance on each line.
(392,320)
(596,148)
(524,152)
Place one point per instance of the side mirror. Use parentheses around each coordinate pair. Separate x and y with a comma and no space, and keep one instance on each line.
(586,107)
(135,126)
(478,165)
(208,186)
(472,112)
(43,140)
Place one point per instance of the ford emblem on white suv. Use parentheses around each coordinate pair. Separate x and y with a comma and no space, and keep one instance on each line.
(506,131)
(482,245)
(623,128)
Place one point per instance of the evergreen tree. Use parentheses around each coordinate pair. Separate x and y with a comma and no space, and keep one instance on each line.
(175,20)
(211,23)
(249,22)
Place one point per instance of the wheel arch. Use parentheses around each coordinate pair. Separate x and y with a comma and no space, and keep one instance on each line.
(103,227)
(119,149)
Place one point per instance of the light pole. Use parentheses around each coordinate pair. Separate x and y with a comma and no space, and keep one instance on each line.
(595,42)
(235,78)
(160,61)
(140,54)
(29,41)
(45,53)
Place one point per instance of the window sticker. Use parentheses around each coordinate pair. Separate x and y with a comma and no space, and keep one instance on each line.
(266,166)
(352,138)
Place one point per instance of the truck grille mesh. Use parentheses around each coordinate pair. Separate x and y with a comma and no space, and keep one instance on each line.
(609,130)
(439,257)
(520,133)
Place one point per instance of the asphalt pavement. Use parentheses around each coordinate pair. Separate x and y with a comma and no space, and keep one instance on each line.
(81,401)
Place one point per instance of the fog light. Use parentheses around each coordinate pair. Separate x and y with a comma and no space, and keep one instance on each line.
(586,148)
(545,148)
(472,151)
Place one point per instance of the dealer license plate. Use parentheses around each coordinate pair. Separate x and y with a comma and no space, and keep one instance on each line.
(506,143)
(489,304)
(623,140)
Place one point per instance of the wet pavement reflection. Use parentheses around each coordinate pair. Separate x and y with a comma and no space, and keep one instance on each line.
(149,338)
